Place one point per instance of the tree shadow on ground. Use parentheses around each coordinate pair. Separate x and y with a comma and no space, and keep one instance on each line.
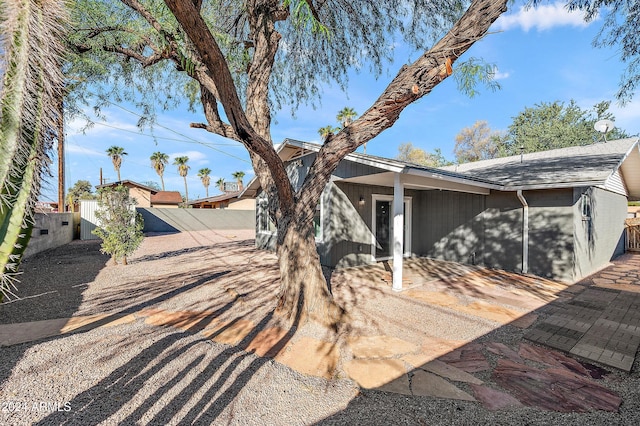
(228,370)
(44,295)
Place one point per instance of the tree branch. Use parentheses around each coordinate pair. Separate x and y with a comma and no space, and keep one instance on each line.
(412,83)
(212,57)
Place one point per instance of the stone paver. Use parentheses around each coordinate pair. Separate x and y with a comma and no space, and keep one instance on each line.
(424,383)
(380,346)
(599,323)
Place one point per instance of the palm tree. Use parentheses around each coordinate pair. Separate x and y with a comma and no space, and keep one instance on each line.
(220,184)
(183,170)
(116,153)
(203,174)
(238,176)
(346,115)
(327,131)
(31,90)
(158,161)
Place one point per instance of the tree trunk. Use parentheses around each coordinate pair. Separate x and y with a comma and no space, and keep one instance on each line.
(162,181)
(303,287)
(186,192)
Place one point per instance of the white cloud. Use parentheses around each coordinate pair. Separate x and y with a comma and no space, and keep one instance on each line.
(541,18)
(499,75)
(195,157)
(71,148)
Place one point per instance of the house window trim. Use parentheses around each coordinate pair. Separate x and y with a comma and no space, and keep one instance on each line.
(320,207)
(262,214)
(408,220)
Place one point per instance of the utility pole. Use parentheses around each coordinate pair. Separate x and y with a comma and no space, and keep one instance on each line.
(100,176)
(61,208)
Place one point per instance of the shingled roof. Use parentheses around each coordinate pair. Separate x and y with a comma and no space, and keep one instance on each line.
(573,166)
(166,197)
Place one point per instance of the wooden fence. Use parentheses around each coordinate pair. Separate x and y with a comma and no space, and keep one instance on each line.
(633,237)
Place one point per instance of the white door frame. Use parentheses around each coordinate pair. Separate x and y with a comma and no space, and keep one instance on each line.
(407,219)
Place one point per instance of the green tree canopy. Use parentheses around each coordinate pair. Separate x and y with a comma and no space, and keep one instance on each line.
(81,190)
(556,125)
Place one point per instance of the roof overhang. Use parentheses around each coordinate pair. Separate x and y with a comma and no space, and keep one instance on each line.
(630,171)
(423,178)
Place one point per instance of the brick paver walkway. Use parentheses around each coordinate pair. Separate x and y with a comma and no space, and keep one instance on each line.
(601,322)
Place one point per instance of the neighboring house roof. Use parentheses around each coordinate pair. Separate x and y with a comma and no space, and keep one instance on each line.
(128,182)
(565,167)
(166,197)
(217,198)
(614,165)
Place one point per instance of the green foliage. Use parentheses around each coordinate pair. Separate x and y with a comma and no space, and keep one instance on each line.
(158,161)
(327,131)
(619,29)
(81,190)
(322,45)
(30,96)
(410,154)
(183,170)
(556,125)
(116,153)
(203,174)
(120,226)
(472,72)
(238,176)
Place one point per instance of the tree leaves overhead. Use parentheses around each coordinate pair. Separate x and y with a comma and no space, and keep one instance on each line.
(318,45)
(556,125)
(621,20)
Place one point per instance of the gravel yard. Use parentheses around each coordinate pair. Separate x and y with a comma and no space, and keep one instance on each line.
(134,371)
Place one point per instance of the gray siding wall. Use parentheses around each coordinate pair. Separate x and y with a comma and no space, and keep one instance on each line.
(347,225)
(550,232)
(51,230)
(448,225)
(598,239)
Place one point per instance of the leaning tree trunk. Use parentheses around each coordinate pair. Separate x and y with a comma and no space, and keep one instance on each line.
(31,90)
(303,288)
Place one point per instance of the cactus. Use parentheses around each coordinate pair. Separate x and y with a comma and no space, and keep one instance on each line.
(31,92)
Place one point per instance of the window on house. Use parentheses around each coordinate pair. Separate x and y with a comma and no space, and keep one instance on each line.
(265,224)
(585,206)
(317,222)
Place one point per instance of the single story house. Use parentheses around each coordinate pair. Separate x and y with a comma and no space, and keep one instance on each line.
(146,196)
(558,214)
(228,200)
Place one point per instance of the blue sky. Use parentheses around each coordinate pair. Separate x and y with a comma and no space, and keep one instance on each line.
(542,55)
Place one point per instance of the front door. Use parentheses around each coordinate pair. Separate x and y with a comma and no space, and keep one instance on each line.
(382,222)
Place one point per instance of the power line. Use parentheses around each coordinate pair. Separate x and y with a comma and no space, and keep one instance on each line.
(190,139)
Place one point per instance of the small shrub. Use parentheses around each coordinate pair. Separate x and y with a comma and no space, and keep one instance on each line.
(119,225)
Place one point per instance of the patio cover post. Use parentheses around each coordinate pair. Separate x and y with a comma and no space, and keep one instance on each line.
(398,231)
